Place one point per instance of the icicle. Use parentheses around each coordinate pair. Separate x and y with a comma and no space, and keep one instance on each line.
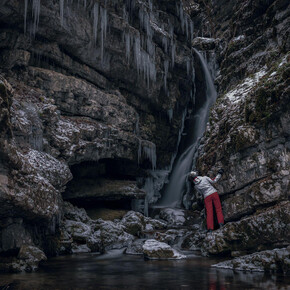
(186,26)
(104,22)
(165,44)
(25,15)
(150,5)
(144,64)
(166,65)
(173,47)
(170,114)
(181,16)
(137,53)
(187,67)
(137,129)
(125,14)
(177,9)
(128,45)
(35,14)
(150,153)
(191,30)
(150,47)
(193,75)
(61,4)
(139,151)
(96,20)
(130,6)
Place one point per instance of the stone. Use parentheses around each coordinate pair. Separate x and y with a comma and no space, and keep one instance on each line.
(275,261)
(267,227)
(153,249)
(175,217)
(28,260)
(79,231)
(134,223)
(204,43)
(113,236)
(136,248)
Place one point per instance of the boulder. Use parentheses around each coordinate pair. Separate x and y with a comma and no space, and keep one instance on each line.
(204,43)
(153,249)
(175,217)
(136,248)
(276,261)
(28,260)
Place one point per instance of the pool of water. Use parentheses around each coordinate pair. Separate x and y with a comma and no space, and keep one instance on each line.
(117,271)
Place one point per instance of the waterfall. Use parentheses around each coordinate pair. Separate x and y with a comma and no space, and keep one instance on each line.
(174,189)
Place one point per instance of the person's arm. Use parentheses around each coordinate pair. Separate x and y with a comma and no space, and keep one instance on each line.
(217,178)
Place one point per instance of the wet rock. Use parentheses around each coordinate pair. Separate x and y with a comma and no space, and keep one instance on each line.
(75,213)
(136,248)
(153,249)
(28,260)
(175,217)
(267,227)
(13,234)
(276,260)
(245,202)
(77,230)
(113,236)
(193,241)
(78,249)
(180,217)
(203,43)
(135,223)
(32,256)
(172,236)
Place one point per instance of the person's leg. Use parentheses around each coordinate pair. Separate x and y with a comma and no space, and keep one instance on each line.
(209,212)
(218,208)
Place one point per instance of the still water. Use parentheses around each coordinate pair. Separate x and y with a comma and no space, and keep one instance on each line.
(118,271)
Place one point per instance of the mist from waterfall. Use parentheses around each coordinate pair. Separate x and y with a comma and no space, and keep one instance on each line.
(173,192)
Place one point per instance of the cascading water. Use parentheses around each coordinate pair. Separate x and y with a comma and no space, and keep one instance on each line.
(174,189)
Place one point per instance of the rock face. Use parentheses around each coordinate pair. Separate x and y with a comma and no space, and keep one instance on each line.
(248,132)
(91,98)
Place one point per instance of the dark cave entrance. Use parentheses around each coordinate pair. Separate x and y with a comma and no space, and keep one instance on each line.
(104,188)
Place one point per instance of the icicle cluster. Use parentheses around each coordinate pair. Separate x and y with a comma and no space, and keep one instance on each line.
(185,21)
(35,13)
(149,151)
(144,63)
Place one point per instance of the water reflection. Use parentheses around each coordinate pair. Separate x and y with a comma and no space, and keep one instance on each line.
(118,271)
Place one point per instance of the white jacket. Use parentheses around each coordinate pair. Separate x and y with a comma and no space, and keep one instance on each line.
(203,184)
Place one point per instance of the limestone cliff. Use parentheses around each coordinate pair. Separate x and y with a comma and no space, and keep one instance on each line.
(248,131)
(93,94)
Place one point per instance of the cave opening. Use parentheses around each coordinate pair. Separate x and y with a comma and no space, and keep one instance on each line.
(104,188)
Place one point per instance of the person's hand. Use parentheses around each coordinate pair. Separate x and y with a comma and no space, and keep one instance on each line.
(221,171)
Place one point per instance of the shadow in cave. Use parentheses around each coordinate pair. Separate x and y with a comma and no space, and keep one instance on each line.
(105,188)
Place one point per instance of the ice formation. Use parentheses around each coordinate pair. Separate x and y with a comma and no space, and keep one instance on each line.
(96,20)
